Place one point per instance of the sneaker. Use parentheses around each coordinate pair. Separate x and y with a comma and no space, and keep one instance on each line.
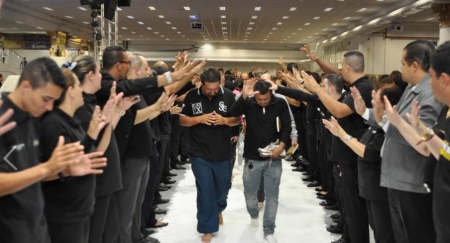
(270,239)
(254,223)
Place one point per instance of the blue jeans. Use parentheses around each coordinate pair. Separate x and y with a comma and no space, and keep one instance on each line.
(213,181)
(270,170)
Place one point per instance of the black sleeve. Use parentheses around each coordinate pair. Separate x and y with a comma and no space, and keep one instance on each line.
(285,120)
(185,89)
(137,86)
(298,95)
(239,107)
(373,148)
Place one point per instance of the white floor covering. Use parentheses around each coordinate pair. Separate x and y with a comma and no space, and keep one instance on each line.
(300,218)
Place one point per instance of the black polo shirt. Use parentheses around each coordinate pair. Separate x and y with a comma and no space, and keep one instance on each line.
(21,213)
(353,124)
(111,178)
(209,142)
(69,200)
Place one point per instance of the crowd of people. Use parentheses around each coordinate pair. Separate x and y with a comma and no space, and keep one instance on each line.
(85,150)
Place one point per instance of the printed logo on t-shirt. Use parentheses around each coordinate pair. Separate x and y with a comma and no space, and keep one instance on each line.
(197,108)
(222,106)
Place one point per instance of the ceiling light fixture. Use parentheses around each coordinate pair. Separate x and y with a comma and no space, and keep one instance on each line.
(223,16)
(307,23)
(187,8)
(156,33)
(334,24)
(168,22)
(254,17)
(47,8)
(149,28)
(285,17)
(81,8)
(292,8)
(251,23)
(69,17)
(279,23)
(257,8)
(130,17)
(327,9)
(152,8)
(192,17)
(316,18)
(174,28)
(362,10)
(140,22)
(347,18)
(161,16)
(222,8)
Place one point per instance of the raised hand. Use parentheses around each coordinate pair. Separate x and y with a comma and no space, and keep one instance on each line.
(305,49)
(247,90)
(97,123)
(331,127)
(310,83)
(4,118)
(161,103)
(64,155)
(391,112)
(89,164)
(414,118)
(273,86)
(280,61)
(169,103)
(358,101)
(126,102)
(378,107)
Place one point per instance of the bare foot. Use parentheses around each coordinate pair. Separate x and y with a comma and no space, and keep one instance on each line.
(260,205)
(220,219)
(207,238)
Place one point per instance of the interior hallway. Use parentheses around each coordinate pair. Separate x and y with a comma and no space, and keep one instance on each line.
(299,219)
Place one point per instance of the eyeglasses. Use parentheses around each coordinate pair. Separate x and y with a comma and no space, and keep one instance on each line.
(127,62)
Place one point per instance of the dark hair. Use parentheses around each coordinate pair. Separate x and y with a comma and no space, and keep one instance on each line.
(210,75)
(69,75)
(419,51)
(159,70)
(258,74)
(262,86)
(355,60)
(85,64)
(239,84)
(336,81)
(316,77)
(392,92)
(385,81)
(440,60)
(39,72)
(112,55)
(292,65)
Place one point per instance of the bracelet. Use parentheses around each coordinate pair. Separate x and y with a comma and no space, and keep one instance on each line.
(348,138)
(168,77)
(383,121)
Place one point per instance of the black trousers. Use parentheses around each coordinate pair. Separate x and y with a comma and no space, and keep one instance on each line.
(411,215)
(338,194)
(148,214)
(313,156)
(380,221)
(69,233)
(104,222)
(355,209)
(179,141)
(322,161)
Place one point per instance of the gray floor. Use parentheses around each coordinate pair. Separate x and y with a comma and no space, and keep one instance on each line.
(299,219)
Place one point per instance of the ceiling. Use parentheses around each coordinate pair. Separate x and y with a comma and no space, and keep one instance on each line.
(277,21)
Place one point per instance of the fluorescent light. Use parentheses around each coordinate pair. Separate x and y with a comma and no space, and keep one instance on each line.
(270,33)
(307,23)
(345,33)
(130,17)
(133,32)
(179,32)
(39,28)
(47,8)
(124,28)
(334,24)
(251,23)
(81,8)
(327,9)
(161,16)
(192,17)
(168,22)
(325,41)
(430,18)
(69,17)
(325,29)
(374,21)
(347,18)
(254,17)
(274,28)
(357,28)
(223,16)
(225,32)
(149,28)
(183,36)
(249,28)
(300,29)
(257,8)
(334,38)
(285,17)
(156,33)
(174,28)
(362,10)
(141,23)
(187,8)
(316,18)
(162,35)
(224,28)
(19,22)
(279,23)
(85,22)
(222,8)
(223,22)
(119,9)
(152,8)
(292,8)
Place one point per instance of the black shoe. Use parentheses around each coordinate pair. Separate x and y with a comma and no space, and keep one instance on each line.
(187,161)
(165,186)
(336,215)
(160,211)
(288,158)
(313,184)
(319,189)
(182,162)
(162,189)
(147,232)
(305,173)
(162,201)
(334,230)
(148,239)
(326,203)
(178,167)
(167,182)
(172,174)
(296,164)
(334,207)
(299,169)
(336,220)
(308,178)
(341,240)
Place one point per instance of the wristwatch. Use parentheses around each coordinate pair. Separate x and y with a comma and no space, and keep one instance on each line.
(383,121)
(428,134)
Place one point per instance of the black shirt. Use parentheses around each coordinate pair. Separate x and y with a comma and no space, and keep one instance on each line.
(71,199)
(111,178)
(261,122)
(353,124)
(369,166)
(21,213)
(441,194)
(209,142)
